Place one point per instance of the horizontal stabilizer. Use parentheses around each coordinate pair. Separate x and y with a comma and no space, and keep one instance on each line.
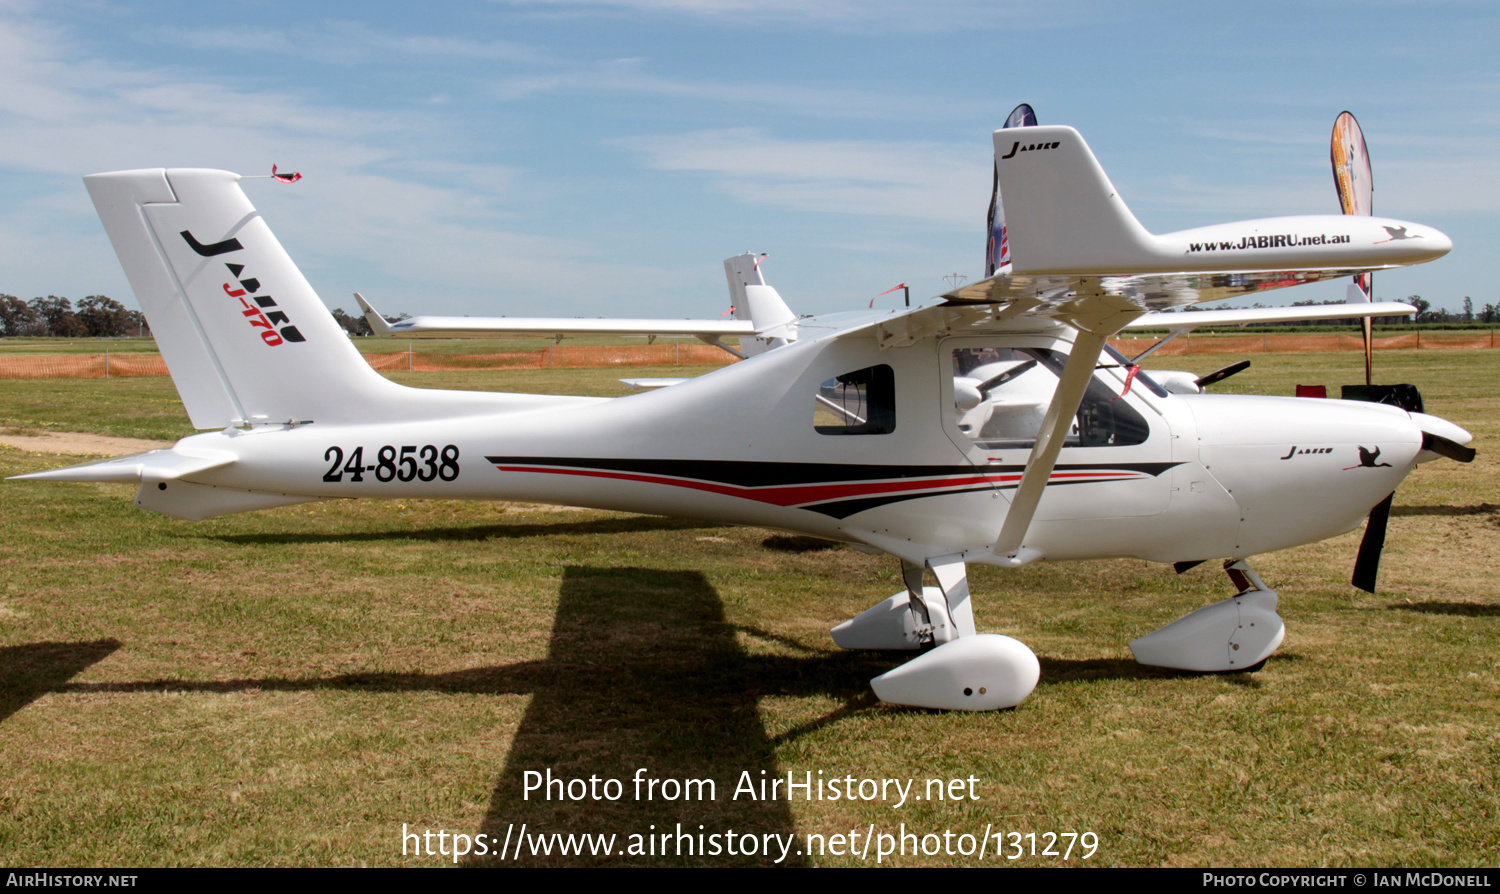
(160,474)
(151,466)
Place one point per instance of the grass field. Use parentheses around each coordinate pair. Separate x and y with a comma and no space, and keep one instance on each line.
(290,687)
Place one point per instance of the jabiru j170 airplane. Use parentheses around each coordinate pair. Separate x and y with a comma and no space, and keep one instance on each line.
(992,425)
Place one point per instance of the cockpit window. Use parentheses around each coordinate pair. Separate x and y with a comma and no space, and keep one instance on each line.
(1000,398)
(862,402)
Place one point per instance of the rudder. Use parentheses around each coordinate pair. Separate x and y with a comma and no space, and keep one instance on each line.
(244,335)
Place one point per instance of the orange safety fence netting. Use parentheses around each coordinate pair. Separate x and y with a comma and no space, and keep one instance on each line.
(82,366)
(99,366)
(1457,340)
(1301,344)
(595,356)
(132,365)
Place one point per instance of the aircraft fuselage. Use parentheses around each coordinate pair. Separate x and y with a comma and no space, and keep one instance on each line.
(1197,477)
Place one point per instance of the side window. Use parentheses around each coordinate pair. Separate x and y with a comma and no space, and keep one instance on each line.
(862,402)
(1001,395)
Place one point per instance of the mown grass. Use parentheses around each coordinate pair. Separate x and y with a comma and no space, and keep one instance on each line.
(290,687)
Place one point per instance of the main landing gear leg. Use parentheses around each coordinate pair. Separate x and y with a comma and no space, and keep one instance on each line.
(1236,635)
(963,670)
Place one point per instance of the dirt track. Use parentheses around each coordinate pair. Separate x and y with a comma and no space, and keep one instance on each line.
(80,444)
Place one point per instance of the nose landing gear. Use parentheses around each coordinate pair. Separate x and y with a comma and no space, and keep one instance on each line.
(1236,635)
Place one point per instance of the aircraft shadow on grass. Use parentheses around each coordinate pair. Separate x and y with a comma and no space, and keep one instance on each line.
(29,671)
(1472,509)
(644,672)
(1460,609)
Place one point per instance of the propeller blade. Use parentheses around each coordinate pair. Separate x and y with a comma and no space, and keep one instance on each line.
(1367,563)
(1444,447)
(1220,375)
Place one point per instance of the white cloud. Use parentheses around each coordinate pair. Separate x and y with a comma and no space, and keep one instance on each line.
(921,15)
(352,43)
(890,179)
(372,207)
(630,76)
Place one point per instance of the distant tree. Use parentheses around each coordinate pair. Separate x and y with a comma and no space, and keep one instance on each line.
(352,325)
(1468,308)
(19,318)
(1489,314)
(1421,304)
(138,324)
(58,316)
(103,316)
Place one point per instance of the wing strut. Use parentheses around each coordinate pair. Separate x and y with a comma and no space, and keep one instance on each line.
(1076,375)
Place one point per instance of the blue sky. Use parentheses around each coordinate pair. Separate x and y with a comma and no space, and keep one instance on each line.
(601,157)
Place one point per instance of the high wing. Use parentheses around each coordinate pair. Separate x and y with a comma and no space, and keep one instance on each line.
(1081,258)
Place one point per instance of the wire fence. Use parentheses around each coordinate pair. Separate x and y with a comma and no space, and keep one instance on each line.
(127,366)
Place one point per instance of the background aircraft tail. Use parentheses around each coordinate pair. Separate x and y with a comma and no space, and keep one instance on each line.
(753,300)
(244,335)
(997,250)
(1064,216)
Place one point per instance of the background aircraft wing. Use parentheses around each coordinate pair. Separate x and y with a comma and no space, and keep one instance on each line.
(471,327)
(1151,291)
(1186,322)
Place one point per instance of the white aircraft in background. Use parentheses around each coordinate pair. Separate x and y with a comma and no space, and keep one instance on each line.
(992,426)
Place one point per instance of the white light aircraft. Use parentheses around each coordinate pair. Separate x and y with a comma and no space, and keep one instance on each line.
(994,425)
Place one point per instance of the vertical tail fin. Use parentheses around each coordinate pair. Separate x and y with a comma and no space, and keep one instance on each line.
(243,334)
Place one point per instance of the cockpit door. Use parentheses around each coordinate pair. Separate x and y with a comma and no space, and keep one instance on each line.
(995,393)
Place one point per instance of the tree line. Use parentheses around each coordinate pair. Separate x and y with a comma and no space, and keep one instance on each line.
(100,316)
(97,316)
